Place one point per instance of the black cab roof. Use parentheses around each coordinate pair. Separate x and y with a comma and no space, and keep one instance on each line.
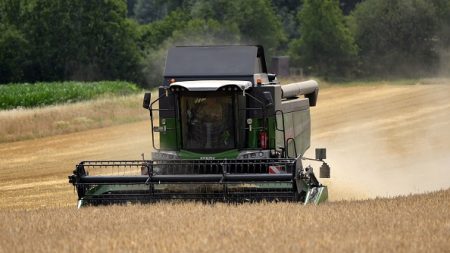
(214,61)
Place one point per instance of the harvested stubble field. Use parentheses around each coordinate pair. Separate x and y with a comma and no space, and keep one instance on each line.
(383,141)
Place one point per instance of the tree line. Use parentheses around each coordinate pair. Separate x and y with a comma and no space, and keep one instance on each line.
(55,40)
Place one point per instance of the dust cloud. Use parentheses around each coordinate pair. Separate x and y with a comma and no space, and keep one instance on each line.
(384,141)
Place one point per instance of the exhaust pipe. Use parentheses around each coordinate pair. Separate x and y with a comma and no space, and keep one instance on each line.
(308,88)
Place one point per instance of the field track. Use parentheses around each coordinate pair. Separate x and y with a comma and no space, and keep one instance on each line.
(382,141)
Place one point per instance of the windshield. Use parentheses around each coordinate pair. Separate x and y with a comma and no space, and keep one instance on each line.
(207,122)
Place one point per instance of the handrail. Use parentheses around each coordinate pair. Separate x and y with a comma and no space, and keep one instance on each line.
(151,117)
(281,130)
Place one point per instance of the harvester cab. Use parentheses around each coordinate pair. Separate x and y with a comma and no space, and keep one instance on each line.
(223,129)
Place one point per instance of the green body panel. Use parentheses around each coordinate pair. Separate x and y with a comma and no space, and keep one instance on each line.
(272,124)
(168,139)
(253,136)
(229,154)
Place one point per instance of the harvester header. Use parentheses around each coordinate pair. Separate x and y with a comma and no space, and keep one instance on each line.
(223,129)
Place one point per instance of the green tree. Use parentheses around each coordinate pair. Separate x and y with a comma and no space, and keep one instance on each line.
(14,47)
(326,46)
(48,40)
(205,32)
(287,12)
(130,8)
(152,35)
(13,54)
(147,11)
(82,40)
(442,14)
(347,6)
(396,38)
(442,8)
(11,11)
(256,20)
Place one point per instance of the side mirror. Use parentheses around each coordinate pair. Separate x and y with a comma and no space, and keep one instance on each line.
(321,153)
(268,98)
(147,98)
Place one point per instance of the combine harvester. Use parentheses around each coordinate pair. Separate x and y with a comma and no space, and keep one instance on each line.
(228,131)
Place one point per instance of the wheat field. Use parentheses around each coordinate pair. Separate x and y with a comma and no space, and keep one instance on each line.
(384,143)
(419,223)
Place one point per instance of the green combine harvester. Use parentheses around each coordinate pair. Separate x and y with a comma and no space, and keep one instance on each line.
(223,129)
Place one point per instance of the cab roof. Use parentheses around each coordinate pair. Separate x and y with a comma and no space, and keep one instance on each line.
(214,61)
